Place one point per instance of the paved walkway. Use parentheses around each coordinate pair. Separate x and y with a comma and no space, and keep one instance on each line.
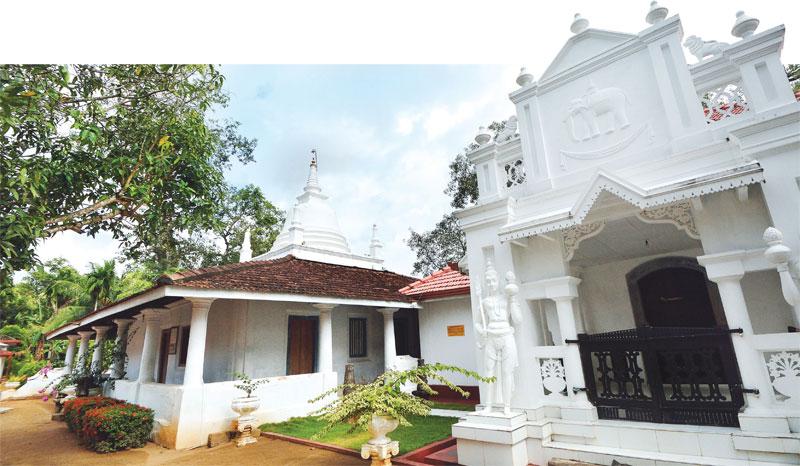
(29,437)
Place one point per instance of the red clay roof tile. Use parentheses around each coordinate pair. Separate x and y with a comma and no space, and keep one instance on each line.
(448,281)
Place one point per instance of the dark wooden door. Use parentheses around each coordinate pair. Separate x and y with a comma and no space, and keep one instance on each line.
(674,292)
(301,354)
(163,355)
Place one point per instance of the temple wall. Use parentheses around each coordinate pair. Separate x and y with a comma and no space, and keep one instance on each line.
(436,346)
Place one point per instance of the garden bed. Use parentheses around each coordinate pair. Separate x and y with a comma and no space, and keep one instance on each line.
(424,431)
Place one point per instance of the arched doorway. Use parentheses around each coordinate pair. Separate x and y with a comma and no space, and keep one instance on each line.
(674,292)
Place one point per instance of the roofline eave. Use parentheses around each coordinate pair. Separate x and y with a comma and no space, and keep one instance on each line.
(177,291)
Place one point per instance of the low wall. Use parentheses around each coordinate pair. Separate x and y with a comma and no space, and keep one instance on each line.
(186,415)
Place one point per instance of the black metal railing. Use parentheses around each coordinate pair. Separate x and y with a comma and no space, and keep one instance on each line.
(670,375)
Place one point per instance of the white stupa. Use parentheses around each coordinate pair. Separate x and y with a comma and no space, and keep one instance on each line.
(312,231)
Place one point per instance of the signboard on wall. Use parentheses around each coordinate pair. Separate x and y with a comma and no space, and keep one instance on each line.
(455,330)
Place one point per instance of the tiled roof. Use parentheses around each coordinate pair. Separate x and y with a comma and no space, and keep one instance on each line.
(296,276)
(446,282)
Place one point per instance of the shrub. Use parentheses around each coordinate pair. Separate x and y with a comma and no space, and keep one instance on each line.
(75,409)
(116,427)
(29,368)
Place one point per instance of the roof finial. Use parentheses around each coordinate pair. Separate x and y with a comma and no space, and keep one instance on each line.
(656,14)
(579,24)
(246,253)
(313,182)
(744,26)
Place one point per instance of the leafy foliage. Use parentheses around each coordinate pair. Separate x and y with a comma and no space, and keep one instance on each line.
(793,74)
(128,149)
(384,396)
(75,409)
(446,242)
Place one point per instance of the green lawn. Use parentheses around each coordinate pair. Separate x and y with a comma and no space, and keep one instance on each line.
(424,430)
(454,406)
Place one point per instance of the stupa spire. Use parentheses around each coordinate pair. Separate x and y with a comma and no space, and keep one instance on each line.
(246,252)
(312,184)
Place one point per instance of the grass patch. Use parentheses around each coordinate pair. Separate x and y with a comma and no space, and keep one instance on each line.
(453,406)
(424,430)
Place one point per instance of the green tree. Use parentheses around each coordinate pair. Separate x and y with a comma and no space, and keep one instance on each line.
(793,73)
(130,149)
(446,241)
(56,284)
(100,283)
(237,210)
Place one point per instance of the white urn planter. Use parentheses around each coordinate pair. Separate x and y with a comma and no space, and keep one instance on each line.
(380,448)
(244,406)
(379,426)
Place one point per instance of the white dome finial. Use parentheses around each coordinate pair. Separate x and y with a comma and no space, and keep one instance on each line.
(744,26)
(246,253)
(579,24)
(656,14)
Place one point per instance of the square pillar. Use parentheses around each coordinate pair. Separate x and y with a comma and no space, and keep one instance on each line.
(196,351)
(120,348)
(325,357)
(99,340)
(389,348)
(726,270)
(69,358)
(563,291)
(152,331)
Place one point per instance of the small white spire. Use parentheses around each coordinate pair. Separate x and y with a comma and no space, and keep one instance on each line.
(374,244)
(246,252)
(579,24)
(312,185)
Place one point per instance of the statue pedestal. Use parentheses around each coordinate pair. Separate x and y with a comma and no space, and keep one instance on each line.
(493,435)
(245,426)
(381,454)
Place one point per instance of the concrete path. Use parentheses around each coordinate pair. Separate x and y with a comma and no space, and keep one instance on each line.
(29,437)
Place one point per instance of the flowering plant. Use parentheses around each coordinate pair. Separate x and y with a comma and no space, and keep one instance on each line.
(75,409)
(118,426)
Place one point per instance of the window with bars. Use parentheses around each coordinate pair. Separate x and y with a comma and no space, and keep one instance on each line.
(358,337)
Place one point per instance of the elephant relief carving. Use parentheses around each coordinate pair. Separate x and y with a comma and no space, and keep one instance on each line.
(586,113)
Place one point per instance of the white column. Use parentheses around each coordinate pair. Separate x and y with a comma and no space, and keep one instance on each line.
(99,340)
(152,331)
(195,354)
(120,347)
(84,346)
(727,270)
(389,348)
(563,291)
(325,359)
(69,358)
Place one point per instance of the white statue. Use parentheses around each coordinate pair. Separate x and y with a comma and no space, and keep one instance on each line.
(592,108)
(509,131)
(703,48)
(497,312)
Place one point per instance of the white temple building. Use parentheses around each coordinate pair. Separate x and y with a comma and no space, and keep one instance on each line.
(649,209)
(295,315)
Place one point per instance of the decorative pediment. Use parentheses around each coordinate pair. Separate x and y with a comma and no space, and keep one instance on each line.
(583,46)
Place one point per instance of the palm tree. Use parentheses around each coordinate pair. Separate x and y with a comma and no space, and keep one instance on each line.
(100,282)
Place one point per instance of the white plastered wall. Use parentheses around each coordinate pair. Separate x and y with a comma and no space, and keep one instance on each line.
(436,346)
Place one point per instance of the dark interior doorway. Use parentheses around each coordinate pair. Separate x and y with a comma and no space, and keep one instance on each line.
(674,292)
(406,332)
(163,356)
(301,355)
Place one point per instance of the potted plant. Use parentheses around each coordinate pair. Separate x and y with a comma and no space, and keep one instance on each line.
(381,405)
(244,406)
